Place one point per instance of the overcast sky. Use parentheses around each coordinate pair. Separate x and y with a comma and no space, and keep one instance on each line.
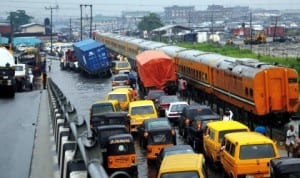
(71,8)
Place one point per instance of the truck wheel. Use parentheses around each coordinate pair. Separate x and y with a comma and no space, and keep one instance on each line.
(12,94)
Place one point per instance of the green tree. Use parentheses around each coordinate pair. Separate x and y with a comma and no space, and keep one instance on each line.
(150,22)
(18,18)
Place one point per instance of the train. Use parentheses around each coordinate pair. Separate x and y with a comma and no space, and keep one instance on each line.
(255,91)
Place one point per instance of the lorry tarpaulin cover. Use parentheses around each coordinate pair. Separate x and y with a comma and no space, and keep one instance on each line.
(155,68)
(91,55)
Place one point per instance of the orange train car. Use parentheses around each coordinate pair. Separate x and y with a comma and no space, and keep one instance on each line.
(250,88)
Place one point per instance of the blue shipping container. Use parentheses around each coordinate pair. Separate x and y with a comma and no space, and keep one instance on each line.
(92,57)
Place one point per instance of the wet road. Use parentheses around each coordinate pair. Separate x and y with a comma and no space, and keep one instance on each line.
(82,92)
(17,132)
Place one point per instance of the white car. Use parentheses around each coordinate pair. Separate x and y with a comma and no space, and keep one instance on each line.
(174,110)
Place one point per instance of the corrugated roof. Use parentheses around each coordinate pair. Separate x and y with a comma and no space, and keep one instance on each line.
(164,28)
(30,41)
(30,24)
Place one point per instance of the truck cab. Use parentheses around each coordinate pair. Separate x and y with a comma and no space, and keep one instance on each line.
(7,73)
(24,77)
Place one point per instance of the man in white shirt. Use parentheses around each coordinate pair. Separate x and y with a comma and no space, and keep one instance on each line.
(228,114)
(290,141)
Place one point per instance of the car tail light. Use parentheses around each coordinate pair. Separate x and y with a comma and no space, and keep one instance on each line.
(133,159)
(114,84)
(146,134)
(127,82)
(110,161)
(164,105)
(174,114)
(187,121)
(199,125)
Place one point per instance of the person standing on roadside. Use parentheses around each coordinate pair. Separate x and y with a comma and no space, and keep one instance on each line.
(182,87)
(44,75)
(290,142)
(134,94)
(228,114)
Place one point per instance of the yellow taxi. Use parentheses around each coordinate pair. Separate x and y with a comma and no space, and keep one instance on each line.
(248,154)
(120,65)
(214,135)
(183,165)
(139,111)
(123,95)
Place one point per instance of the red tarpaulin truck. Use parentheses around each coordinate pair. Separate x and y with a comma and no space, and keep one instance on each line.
(156,70)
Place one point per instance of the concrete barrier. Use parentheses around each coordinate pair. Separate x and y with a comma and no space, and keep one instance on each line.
(78,151)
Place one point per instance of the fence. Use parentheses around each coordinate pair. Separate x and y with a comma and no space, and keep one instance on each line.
(76,145)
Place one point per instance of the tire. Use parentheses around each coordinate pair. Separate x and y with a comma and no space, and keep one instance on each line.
(143,144)
(180,130)
(120,174)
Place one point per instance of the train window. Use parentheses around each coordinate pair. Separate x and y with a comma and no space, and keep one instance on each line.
(292,80)
(246,91)
(251,92)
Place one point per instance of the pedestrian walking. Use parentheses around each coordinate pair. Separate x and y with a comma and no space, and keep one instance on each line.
(182,85)
(290,142)
(49,68)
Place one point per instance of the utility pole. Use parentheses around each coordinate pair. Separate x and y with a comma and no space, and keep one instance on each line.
(251,33)
(80,22)
(91,19)
(11,30)
(70,29)
(51,9)
(212,23)
(275,29)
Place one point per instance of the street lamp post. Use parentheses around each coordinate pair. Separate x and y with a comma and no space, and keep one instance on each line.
(51,40)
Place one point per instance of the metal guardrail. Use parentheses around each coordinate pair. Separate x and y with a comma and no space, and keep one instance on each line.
(77,149)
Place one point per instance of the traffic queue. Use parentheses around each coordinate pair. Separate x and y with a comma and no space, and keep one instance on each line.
(124,117)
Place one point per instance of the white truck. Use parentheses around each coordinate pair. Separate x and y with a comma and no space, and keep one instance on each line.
(24,77)
(7,73)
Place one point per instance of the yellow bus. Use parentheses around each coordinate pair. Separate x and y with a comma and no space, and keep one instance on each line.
(214,135)
(183,166)
(248,154)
